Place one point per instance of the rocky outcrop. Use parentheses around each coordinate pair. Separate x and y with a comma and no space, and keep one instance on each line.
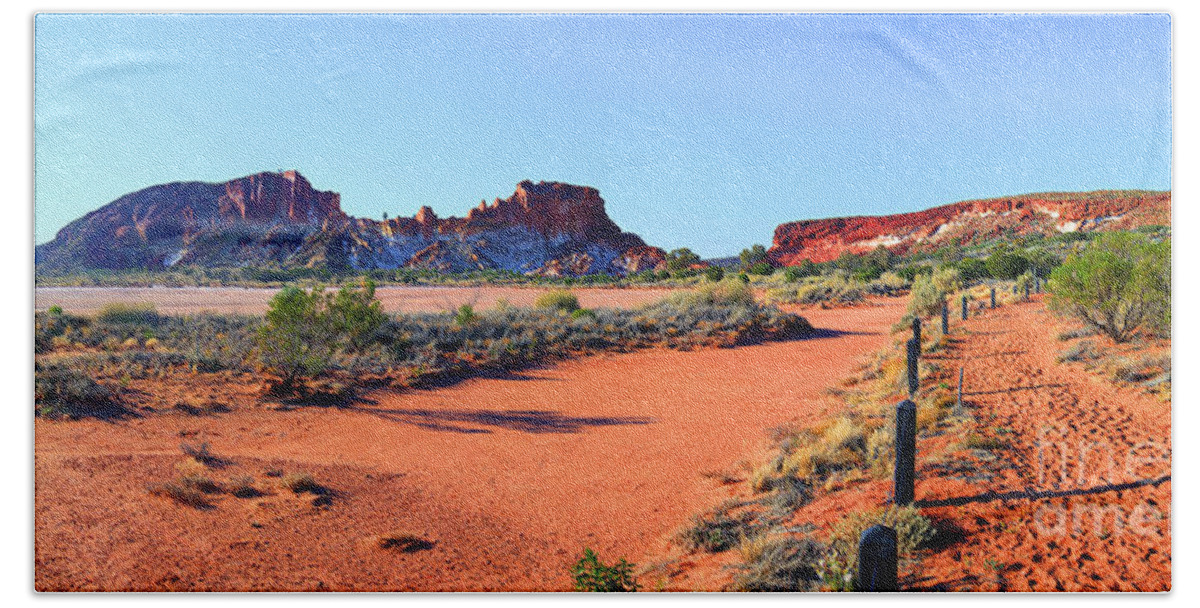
(968,222)
(279,219)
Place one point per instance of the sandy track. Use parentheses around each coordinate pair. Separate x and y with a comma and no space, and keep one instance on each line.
(1079,499)
(508,478)
(190,300)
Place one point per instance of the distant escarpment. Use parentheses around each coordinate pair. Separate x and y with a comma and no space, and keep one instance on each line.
(969,222)
(278,219)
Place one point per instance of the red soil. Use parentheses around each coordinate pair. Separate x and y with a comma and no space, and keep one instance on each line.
(508,478)
(1101,451)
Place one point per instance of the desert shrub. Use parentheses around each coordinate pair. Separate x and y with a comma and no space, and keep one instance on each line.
(777,563)
(1084,350)
(787,494)
(714,533)
(299,483)
(756,254)
(888,284)
(559,299)
(593,575)
(1006,264)
(725,293)
(841,445)
(1082,332)
(714,274)
(357,314)
(1140,369)
(1119,283)
(299,337)
(947,279)
(681,259)
(63,392)
(834,289)
(122,313)
(243,486)
(202,454)
(972,269)
(182,493)
(465,315)
(583,314)
(761,269)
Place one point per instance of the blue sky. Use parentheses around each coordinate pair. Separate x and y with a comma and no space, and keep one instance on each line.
(703,131)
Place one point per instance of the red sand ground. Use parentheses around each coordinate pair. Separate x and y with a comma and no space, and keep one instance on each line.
(509,479)
(1038,514)
(190,300)
(1067,432)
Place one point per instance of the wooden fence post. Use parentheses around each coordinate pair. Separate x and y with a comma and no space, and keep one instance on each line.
(993,297)
(958,407)
(1027,291)
(906,453)
(964,307)
(916,328)
(877,558)
(945,317)
(914,356)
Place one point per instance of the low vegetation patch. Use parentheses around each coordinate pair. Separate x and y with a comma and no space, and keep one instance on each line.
(592,574)
(778,563)
(61,391)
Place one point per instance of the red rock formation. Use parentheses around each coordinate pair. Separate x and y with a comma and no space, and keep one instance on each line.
(278,218)
(964,222)
(267,198)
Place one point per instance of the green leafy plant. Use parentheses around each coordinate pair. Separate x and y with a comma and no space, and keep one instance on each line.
(593,575)
(559,299)
(299,337)
(356,313)
(1119,283)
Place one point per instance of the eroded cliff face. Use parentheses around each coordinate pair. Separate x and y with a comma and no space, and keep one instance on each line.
(279,218)
(968,221)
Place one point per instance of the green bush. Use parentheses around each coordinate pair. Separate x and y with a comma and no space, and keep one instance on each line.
(1119,283)
(300,335)
(1006,265)
(122,313)
(357,314)
(681,259)
(559,299)
(465,315)
(756,254)
(761,269)
(714,273)
(591,574)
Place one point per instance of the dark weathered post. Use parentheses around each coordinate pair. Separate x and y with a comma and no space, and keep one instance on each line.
(877,560)
(914,356)
(1014,289)
(1027,291)
(945,317)
(916,327)
(993,297)
(964,307)
(906,453)
(1037,285)
(958,408)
